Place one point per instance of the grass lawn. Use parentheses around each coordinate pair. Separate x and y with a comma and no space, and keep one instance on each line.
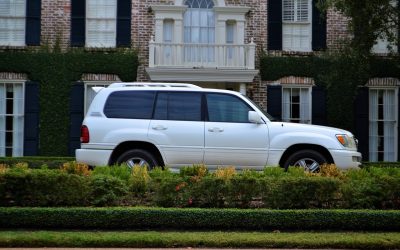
(364,240)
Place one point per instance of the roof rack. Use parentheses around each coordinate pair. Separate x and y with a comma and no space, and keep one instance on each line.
(153,84)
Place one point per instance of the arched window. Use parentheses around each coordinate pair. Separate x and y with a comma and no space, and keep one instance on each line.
(199,33)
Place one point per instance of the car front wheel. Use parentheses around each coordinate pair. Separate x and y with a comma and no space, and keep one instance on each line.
(309,160)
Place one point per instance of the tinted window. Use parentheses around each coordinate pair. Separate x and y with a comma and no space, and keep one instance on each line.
(227,108)
(130,104)
(179,106)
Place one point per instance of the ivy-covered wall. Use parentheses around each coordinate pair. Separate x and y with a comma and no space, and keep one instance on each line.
(339,74)
(56,72)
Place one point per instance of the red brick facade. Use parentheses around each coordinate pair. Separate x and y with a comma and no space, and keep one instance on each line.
(56,27)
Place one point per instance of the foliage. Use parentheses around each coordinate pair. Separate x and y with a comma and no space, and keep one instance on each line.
(37,161)
(199,170)
(122,172)
(368,21)
(198,219)
(372,188)
(73,167)
(55,72)
(41,187)
(106,190)
(139,179)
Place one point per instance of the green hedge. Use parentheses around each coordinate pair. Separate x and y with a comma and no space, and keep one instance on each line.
(199,219)
(75,185)
(37,161)
(55,72)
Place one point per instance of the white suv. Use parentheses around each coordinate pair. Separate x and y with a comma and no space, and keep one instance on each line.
(175,125)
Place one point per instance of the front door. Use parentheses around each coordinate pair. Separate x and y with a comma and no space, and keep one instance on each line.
(230,139)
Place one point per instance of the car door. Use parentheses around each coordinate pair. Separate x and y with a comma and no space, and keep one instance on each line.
(177,127)
(230,139)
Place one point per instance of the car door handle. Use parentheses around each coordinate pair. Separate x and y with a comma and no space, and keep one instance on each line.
(159,127)
(215,130)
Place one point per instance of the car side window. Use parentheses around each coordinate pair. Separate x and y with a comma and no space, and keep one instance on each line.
(130,104)
(178,106)
(227,108)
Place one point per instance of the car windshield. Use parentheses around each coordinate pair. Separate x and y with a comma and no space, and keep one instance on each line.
(270,117)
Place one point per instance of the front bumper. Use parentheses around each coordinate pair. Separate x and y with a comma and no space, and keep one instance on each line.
(346,159)
(93,157)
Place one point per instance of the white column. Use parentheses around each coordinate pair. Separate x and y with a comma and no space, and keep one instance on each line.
(251,55)
(151,52)
(178,40)
(3,92)
(220,38)
(242,88)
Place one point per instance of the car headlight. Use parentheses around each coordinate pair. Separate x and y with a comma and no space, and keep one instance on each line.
(347,141)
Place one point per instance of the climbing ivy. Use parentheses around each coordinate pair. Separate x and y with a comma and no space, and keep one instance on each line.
(55,72)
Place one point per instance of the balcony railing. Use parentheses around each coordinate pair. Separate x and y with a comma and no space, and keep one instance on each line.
(191,55)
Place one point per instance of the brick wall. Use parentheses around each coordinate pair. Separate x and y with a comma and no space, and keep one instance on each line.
(337,31)
(56,22)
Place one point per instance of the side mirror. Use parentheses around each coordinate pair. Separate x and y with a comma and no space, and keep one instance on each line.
(254,117)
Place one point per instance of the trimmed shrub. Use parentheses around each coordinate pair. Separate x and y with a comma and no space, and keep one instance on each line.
(37,161)
(21,187)
(106,190)
(198,219)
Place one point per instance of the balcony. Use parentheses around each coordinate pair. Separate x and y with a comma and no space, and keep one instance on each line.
(202,62)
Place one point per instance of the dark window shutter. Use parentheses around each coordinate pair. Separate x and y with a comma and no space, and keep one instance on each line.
(32,30)
(78,14)
(76,116)
(275,24)
(31,119)
(274,101)
(318,105)
(318,28)
(124,23)
(361,111)
(398,128)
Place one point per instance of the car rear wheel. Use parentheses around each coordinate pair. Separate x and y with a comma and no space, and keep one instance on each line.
(309,160)
(138,157)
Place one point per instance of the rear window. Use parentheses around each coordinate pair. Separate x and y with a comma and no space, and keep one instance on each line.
(130,104)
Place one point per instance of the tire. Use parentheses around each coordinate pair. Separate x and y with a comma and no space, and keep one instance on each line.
(138,157)
(310,160)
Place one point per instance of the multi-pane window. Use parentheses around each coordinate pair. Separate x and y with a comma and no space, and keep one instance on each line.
(296,104)
(382,124)
(11,119)
(296,29)
(199,31)
(12,22)
(101,23)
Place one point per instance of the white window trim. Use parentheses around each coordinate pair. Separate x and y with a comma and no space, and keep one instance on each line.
(23,17)
(309,96)
(396,94)
(87,19)
(90,84)
(22,82)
